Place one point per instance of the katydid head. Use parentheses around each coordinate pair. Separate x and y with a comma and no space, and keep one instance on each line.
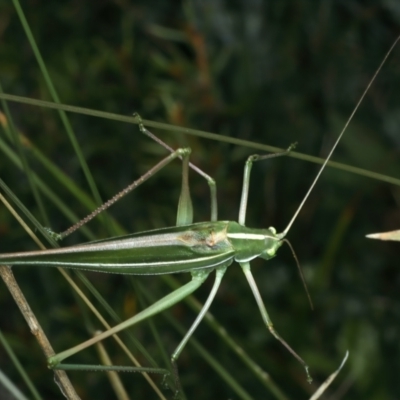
(272,243)
(251,243)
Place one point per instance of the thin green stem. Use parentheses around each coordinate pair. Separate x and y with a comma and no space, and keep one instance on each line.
(204,134)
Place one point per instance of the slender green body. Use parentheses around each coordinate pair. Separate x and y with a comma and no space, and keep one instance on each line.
(205,245)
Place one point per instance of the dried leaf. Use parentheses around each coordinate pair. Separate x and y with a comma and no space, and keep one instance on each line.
(392,235)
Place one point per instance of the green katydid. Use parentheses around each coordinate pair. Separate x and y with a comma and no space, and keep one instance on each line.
(198,248)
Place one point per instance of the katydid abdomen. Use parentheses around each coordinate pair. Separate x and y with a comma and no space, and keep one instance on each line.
(205,245)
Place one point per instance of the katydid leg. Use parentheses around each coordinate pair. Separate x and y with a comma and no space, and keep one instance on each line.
(185,207)
(198,277)
(246,179)
(165,161)
(211,182)
(185,212)
(219,273)
(267,320)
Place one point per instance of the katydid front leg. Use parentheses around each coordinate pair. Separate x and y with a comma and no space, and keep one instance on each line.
(268,254)
(246,178)
(267,320)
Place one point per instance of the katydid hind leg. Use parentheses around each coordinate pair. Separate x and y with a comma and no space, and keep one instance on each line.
(185,212)
(181,152)
(157,307)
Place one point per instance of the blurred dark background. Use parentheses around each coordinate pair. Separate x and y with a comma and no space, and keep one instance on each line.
(265,71)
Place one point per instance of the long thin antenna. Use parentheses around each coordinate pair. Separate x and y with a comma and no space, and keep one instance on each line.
(300,273)
(283,234)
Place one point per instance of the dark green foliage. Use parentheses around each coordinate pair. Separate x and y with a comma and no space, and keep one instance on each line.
(269,72)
